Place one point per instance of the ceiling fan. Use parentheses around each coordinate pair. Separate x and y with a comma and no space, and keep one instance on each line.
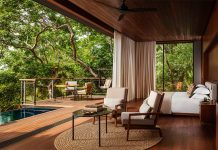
(124,9)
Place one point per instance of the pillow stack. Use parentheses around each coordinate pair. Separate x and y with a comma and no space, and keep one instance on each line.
(201,92)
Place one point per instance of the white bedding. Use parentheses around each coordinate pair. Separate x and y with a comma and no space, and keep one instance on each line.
(179,102)
(166,105)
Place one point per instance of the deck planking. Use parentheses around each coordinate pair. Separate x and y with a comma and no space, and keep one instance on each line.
(179,132)
(30,124)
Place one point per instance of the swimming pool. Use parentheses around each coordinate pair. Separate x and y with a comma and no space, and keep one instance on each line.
(12,115)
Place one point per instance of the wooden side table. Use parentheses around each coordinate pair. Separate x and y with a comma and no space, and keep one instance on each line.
(208,112)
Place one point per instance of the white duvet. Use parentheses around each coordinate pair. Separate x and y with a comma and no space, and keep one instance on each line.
(179,102)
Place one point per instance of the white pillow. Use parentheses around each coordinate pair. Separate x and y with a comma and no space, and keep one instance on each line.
(202,90)
(111,102)
(144,108)
(200,96)
(152,99)
(200,85)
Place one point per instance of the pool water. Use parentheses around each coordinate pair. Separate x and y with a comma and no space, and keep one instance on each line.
(8,116)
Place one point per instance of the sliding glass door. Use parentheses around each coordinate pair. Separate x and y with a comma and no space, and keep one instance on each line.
(174,66)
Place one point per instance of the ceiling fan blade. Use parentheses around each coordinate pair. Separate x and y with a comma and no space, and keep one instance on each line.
(142,10)
(121,17)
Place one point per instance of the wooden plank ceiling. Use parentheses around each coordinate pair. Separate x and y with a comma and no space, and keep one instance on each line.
(174,19)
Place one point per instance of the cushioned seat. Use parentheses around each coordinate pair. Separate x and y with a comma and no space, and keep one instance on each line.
(112,102)
(86,90)
(116,99)
(147,116)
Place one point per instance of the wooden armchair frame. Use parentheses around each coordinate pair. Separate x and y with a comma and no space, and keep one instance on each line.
(154,126)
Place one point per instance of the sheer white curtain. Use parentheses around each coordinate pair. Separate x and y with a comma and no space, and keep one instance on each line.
(133,66)
(145,68)
(124,64)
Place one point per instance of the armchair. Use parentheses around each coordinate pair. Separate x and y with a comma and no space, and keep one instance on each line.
(147,116)
(71,87)
(116,99)
(107,84)
(86,90)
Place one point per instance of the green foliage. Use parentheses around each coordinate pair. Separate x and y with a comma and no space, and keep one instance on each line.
(178,66)
(30,54)
(9,90)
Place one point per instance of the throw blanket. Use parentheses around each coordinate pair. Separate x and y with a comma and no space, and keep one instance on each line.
(166,105)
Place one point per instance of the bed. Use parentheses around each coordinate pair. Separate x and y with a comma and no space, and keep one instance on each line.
(180,103)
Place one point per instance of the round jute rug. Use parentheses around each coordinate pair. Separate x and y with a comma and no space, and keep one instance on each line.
(86,138)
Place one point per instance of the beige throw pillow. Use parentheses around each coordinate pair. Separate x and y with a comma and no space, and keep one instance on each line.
(190,90)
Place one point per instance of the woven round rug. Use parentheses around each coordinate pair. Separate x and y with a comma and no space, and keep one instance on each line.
(86,138)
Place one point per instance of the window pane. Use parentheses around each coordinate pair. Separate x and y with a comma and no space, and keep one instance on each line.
(178,66)
(159,67)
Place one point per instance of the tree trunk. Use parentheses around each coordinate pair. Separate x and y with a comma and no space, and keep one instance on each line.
(171,74)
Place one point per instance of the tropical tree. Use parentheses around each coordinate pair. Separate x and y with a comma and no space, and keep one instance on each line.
(37,42)
(174,65)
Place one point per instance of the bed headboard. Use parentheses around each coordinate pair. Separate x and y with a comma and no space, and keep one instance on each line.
(213,90)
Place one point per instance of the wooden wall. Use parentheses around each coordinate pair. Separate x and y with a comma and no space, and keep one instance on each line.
(210,55)
(210,48)
(197,61)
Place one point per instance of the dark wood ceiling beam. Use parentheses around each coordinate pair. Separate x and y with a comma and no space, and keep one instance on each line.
(70,10)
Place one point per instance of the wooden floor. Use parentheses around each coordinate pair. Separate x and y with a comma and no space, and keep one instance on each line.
(20,128)
(180,133)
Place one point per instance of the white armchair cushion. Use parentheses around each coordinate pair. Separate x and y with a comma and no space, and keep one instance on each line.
(116,93)
(70,88)
(152,99)
(125,116)
(144,108)
(112,102)
(139,120)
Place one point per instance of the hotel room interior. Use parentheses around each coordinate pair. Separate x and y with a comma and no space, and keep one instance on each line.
(136,33)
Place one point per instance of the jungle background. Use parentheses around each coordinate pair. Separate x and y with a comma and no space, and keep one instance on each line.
(36,42)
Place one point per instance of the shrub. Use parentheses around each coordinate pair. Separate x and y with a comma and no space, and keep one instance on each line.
(9,90)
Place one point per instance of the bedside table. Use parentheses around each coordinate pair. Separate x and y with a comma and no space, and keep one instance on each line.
(208,112)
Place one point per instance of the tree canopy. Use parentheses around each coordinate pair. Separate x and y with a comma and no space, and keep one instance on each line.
(37,42)
(174,66)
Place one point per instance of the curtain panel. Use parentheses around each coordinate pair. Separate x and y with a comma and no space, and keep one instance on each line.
(133,66)
(124,64)
(145,68)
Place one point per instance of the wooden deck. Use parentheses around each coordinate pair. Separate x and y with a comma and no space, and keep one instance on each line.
(180,132)
(18,129)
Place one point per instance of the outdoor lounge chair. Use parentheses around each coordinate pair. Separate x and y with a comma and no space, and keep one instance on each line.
(86,90)
(147,116)
(116,99)
(71,87)
(107,84)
